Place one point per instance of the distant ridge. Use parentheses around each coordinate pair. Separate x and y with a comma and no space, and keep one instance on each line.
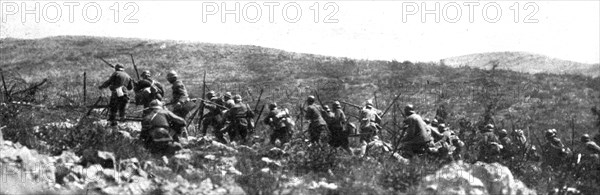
(524,62)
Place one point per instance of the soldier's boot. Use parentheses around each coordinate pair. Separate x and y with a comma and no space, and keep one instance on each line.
(204,128)
(112,115)
(243,136)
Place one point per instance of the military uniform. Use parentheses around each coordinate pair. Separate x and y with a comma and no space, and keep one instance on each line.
(554,152)
(180,99)
(435,133)
(238,118)
(589,151)
(508,147)
(416,140)
(317,124)
(488,145)
(214,118)
(158,128)
(369,123)
(339,135)
(449,145)
(118,83)
(275,119)
(147,90)
(520,142)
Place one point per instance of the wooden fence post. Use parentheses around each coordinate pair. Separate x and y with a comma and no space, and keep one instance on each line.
(6,93)
(84,88)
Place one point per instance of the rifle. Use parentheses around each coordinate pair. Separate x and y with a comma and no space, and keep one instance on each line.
(258,118)
(134,66)
(393,102)
(257,102)
(200,109)
(318,98)
(209,102)
(88,112)
(107,63)
(350,104)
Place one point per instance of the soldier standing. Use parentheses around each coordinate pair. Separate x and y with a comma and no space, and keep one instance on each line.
(415,140)
(369,122)
(147,89)
(180,95)
(239,118)
(274,120)
(337,124)
(158,126)
(118,83)
(554,152)
(317,124)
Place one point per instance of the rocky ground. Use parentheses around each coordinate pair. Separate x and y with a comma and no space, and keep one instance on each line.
(209,167)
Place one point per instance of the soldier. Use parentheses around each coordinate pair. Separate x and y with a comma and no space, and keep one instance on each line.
(554,152)
(180,95)
(239,118)
(147,90)
(337,124)
(415,140)
(436,132)
(520,141)
(369,122)
(214,117)
(488,145)
(589,150)
(451,145)
(317,124)
(328,117)
(228,101)
(118,83)
(507,144)
(158,126)
(274,119)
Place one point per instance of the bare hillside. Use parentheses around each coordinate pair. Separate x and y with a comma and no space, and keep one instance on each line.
(524,62)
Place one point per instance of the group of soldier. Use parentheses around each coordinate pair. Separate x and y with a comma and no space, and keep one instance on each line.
(229,115)
(161,127)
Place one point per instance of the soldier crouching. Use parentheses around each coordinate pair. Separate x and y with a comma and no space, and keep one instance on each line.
(158,127)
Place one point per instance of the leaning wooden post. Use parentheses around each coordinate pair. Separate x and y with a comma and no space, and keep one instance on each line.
(572,132)
(375,99)
(84,87)
(6,93)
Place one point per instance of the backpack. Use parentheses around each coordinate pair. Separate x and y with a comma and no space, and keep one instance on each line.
(147,94)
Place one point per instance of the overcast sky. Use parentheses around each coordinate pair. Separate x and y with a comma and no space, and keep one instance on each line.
(361,29)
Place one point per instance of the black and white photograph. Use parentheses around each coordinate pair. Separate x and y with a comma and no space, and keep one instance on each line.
(303,97)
